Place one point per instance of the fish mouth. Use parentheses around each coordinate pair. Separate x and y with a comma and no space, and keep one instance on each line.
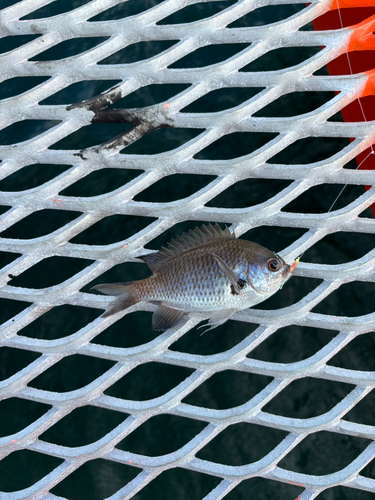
(288,270)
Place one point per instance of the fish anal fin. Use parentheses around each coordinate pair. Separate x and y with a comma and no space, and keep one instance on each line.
(192,239)
(218,318)
(166,317)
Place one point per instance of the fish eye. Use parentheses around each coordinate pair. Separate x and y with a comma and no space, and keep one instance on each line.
(273,265)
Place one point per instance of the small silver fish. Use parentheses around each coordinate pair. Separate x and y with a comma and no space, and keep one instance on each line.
(206,270)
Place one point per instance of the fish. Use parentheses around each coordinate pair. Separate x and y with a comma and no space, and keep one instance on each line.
(206,270)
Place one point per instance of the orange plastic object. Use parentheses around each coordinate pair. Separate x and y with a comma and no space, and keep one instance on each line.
(359,15)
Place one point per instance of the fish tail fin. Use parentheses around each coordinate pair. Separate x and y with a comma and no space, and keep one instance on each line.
(126,293)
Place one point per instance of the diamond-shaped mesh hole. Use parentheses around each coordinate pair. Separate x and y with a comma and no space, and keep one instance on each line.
(39,224)
(258,488)
(71,373)
(221,99)
(111,229)
(237,444)
(18,413)
(196,12)
(14,360)
(307,398)
(158,378)
(266,15)
(96,479)
(83,426)
(25,130)
(291,344)
(19,85)
(161,435)
(49,272)
(358,354)
(138,52)
(59,322)
(235,145)
(239,388)
(31,176)
(11,480)
(323,453)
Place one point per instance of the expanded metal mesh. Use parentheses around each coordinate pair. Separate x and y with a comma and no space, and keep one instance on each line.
(120,33)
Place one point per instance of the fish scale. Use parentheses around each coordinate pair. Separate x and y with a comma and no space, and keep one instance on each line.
(209,271)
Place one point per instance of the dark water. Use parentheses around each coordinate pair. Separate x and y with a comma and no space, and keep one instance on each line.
(239,444)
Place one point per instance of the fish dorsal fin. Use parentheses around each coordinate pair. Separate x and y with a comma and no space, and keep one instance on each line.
(192,239)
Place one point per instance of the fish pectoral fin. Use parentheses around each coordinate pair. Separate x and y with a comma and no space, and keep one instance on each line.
(165,317)
(218,318)
(236,283)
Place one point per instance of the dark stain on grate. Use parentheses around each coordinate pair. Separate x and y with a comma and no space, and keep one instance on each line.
(17,413)
(238,444)
(235,145)
(153,438)
(100,182)
(207,56)
(308,397)
(227,389)
(32,176)
(157,379)
(11,480)
(71,373)
(39,224)
(83,426)
(50,271)
(323,453)
(138,52)
(59,322)
(13,360)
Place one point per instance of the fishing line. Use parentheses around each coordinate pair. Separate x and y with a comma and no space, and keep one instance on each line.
(366,125)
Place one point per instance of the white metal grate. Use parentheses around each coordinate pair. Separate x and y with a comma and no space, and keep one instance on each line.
(116,34)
